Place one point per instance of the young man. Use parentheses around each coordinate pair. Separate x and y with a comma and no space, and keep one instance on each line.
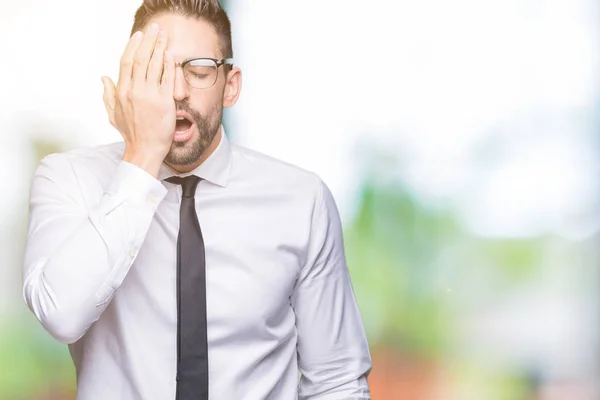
(177,265)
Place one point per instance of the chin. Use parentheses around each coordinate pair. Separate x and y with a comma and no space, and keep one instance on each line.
(186,153)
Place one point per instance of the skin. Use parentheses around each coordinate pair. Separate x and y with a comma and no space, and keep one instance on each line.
(151,88)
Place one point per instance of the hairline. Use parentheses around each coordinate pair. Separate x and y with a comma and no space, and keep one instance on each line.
(183,13)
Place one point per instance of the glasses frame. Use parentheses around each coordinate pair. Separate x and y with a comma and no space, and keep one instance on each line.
(218,62)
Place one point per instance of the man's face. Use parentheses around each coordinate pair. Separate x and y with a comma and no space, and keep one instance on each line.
(202,108)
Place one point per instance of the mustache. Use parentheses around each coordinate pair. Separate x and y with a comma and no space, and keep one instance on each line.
(185,106)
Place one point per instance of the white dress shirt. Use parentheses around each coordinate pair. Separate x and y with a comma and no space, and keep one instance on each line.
(100,275)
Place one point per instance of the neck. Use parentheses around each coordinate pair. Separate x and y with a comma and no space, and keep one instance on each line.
(181,169)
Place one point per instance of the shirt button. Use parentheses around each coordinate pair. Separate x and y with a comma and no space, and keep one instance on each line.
(132,252)
(152,198)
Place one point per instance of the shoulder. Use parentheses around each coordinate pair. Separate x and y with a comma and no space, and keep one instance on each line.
(82,174)
(82,160)
(268,171)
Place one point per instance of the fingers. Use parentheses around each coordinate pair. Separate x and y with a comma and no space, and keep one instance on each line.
(168,79)
(109,98)
(143,54)
(157,61)
(126,68)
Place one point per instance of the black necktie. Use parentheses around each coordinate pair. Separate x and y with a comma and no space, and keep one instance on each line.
(192,349)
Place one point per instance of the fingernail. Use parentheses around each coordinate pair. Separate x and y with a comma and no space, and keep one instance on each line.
(136,35)
(153,28)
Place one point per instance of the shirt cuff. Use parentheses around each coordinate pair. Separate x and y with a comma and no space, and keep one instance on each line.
(136,185)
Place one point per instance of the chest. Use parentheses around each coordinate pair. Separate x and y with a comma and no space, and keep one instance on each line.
(253,255)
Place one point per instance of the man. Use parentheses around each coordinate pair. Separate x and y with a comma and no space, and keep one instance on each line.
(177,265)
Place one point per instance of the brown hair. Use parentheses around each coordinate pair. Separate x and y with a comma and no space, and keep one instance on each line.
(208,10)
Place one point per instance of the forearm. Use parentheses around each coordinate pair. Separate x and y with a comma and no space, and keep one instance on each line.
(333,352)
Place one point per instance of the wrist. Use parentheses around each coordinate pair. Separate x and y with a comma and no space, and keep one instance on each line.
(150,161)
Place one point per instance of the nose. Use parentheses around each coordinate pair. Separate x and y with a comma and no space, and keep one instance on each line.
(181,89)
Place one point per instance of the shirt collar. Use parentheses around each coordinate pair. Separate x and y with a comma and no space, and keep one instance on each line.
(215,169)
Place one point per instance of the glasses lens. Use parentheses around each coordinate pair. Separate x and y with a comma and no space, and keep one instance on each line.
(201,74)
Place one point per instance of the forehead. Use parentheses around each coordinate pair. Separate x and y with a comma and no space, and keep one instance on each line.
(188,37)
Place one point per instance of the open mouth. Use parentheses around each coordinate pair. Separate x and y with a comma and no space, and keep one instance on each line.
(184,128)
(182,124)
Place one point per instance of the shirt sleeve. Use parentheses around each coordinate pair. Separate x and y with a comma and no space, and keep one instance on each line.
(77,256)
(333,352)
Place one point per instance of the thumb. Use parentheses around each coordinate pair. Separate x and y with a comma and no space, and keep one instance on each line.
(109,97)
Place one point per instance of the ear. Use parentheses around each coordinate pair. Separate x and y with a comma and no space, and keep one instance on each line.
(233,87)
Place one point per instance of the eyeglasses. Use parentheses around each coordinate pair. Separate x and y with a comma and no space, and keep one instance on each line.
(202,73)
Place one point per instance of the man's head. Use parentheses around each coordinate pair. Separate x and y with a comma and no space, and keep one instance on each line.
(196,29)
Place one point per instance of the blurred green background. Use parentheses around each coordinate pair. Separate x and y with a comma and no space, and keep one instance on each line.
(461,144)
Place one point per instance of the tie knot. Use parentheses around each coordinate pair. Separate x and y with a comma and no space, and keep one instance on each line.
(188,184)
